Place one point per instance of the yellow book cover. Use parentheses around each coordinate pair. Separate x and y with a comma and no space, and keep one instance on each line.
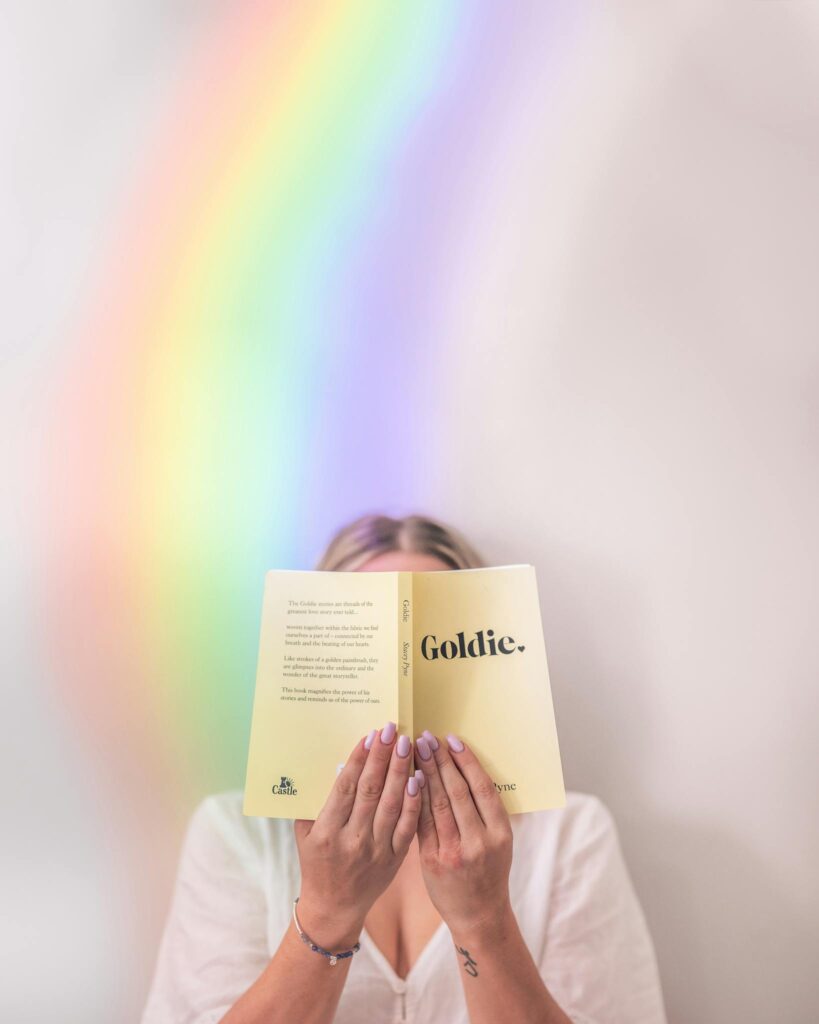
(458,651)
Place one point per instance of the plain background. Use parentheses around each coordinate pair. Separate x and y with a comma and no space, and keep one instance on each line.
(627,399)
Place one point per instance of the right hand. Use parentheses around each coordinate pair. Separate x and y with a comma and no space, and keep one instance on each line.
(352,851)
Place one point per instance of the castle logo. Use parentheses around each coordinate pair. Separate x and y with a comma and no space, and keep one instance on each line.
(284,788)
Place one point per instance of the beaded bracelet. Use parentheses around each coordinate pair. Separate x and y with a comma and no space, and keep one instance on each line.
(332,957)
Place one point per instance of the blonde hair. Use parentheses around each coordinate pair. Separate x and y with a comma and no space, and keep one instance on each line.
(371,535)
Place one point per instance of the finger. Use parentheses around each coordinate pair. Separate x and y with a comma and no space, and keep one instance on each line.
(484,793)
(392,797)
(339,803)
(427,833)
(407,824)
(371,781)
(446,826)
(457,789)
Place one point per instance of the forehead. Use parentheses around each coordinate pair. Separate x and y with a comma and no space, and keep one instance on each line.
(403,561)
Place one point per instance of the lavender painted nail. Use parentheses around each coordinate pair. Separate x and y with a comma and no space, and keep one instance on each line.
(422,747)
(403,745)
(422,779)
(430,738)
(454,743)
(412,785)
(370,737)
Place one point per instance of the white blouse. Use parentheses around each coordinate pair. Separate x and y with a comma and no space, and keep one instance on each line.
(569,888)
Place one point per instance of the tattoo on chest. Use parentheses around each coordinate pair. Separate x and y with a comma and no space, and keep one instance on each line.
(470,965)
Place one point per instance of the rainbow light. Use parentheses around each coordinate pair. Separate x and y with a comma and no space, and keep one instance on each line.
(251,370)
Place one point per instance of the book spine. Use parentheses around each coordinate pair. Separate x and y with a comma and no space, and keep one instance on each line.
(405,654)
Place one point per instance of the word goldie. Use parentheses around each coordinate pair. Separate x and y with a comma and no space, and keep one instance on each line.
(475,648)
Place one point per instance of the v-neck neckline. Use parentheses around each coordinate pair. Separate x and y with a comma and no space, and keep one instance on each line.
(386,967)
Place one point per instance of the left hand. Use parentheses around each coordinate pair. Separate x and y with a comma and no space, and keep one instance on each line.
(464,836)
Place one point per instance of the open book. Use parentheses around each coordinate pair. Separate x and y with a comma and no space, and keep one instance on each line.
(457,651)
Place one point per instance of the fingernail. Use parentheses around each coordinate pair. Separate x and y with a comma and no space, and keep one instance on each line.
(370,737)
(422,747)
(412,785)
(403,746)
(422,779)
(388,732)
(431,740)
(454,743)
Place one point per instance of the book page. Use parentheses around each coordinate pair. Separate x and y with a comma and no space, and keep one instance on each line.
(480,672)
(327,674)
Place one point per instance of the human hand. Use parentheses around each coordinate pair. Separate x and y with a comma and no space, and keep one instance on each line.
(353,849)
(464,835)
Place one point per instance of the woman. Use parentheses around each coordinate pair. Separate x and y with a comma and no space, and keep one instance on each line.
(419,897)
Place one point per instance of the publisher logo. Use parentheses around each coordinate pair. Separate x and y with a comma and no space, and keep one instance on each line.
(284,787)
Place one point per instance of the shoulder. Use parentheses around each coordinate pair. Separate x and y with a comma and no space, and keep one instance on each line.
(575,850)
(219,826)
(554,852)
(585,814)
(584,821)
